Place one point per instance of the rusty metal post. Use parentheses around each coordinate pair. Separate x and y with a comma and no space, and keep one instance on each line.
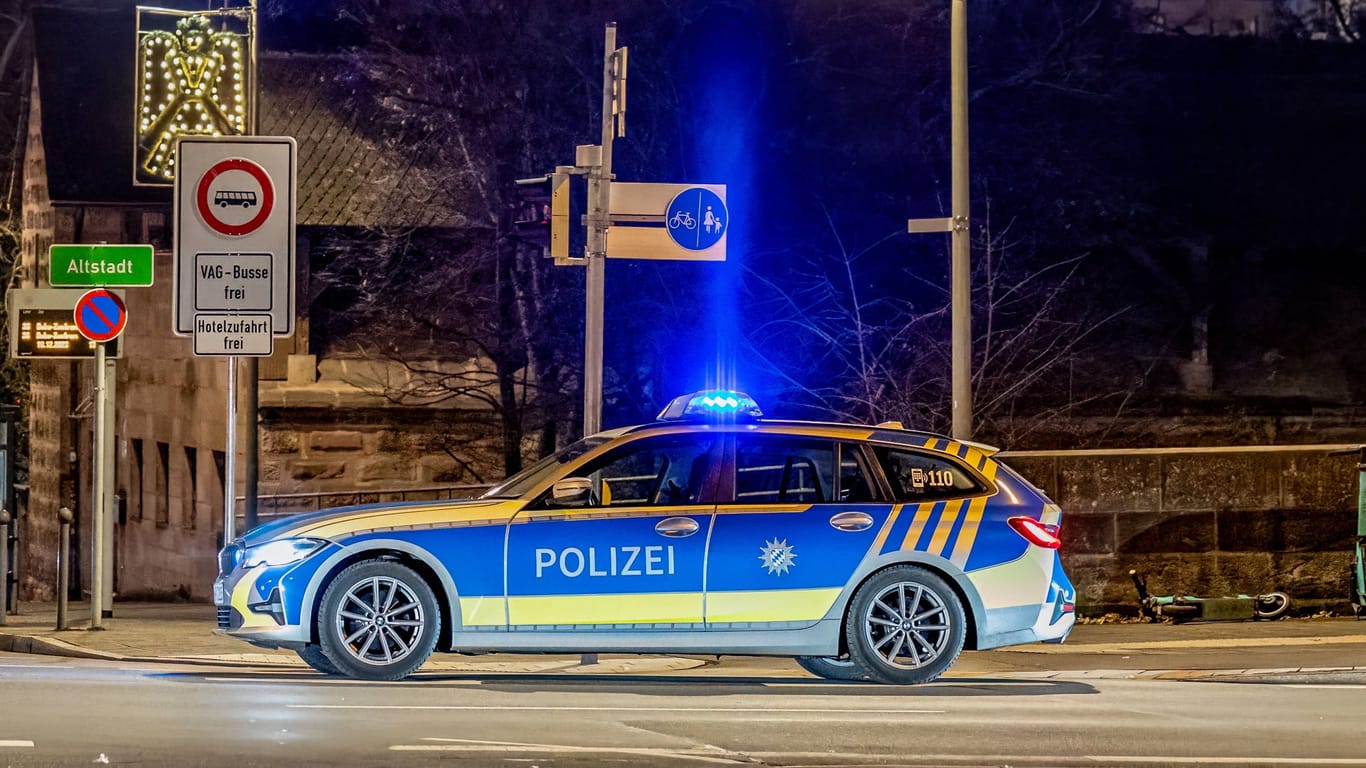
(64,517)
(4,564)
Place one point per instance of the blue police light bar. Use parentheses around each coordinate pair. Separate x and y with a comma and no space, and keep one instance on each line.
(711,404)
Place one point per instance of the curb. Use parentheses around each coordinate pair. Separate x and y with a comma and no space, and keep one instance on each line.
(51,646)
(1173,674)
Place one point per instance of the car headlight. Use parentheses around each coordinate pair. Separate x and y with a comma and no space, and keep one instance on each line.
(282,552)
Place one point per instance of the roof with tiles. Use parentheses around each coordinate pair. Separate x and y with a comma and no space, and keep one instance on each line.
(352,173)
(349,175)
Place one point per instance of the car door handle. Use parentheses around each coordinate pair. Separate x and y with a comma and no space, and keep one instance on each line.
(676,527)
(852,521)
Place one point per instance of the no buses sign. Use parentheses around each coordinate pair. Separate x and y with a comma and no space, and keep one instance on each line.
(234,241)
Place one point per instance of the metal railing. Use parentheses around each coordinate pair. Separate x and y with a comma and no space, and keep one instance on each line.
(274,506)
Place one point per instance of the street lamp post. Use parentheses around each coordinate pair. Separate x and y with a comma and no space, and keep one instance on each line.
(961,280)
(958,225)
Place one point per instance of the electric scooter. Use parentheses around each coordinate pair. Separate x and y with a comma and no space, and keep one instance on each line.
(1180,608)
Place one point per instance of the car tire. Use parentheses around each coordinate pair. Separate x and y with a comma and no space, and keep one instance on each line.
(830,667)
(379,621)
(905,626)
(314,657)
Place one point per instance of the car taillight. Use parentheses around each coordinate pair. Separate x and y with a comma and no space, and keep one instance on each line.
(1035,532)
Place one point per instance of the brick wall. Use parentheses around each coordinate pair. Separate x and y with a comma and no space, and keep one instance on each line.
(1207,521)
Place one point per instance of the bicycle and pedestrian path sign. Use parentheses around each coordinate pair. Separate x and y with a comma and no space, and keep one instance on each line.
(696,218)
(686,222)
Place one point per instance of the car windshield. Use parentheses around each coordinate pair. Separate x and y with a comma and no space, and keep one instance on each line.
(517,485)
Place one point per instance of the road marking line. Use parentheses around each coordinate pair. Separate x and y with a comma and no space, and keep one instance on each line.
(707,710)
(1320,686)
(710,755)
(1170,759)
(15,743)
(747,757)
(37,666)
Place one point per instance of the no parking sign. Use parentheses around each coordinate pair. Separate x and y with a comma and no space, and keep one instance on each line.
(100,315)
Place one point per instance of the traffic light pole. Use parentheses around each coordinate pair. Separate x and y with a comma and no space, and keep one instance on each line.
(599,201)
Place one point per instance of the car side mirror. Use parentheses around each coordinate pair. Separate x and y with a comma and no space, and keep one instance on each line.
(571,489)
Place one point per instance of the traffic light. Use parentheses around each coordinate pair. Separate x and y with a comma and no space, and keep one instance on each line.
(542,216)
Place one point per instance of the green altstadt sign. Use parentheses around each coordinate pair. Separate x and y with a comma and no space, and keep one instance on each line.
(100,265)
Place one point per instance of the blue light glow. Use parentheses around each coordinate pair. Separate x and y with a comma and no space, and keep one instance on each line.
(711,404)
(727,62)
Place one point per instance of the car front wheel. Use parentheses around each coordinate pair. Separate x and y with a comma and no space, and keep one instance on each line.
(379,621)
(905,626)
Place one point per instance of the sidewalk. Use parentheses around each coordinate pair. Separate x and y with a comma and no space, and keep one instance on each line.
(183,633)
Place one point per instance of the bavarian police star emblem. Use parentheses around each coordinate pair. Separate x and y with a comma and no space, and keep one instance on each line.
(777,556)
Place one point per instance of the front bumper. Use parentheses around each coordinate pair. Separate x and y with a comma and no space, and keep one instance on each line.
(264,605)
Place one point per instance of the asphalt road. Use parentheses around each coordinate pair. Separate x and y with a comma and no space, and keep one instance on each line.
(80,712)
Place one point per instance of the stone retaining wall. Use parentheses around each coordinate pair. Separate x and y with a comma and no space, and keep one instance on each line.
(1206,521)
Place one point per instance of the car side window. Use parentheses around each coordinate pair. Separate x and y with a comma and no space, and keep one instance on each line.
(855,486)
(782,469)
(668,470)
(916,476)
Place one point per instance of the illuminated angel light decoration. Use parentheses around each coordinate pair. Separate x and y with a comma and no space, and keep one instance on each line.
(191,83)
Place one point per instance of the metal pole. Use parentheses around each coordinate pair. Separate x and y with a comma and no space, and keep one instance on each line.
(97,508)
(250,442)
(599,195)
(961,281)
(250,400)
(230,458)
(64,518)
(600,202)
(106,497)
(1359,556)
(4,564)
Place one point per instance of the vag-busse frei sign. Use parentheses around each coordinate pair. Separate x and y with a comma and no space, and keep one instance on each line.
(121,266)
(234,237)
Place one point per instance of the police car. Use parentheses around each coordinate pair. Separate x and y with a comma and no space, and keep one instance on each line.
(865,552)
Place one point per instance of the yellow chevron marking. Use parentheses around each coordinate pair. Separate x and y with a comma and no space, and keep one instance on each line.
(952,446)
(771,605)
(483,611)
(666,607)
(974,457)
(963,547)
(931,443)
(886,530)
(945,526)
(989,469)
(922,513)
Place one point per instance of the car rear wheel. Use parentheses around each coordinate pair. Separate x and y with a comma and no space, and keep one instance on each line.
(379,621)
(905,626)
(314,657)
(830,667)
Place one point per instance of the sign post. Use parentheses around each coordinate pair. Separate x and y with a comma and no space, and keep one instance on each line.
(101,316)
(234,265)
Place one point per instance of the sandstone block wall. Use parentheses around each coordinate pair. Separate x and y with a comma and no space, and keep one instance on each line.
(1210,521)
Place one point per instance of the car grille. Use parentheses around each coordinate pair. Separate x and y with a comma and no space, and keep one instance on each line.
(225,617)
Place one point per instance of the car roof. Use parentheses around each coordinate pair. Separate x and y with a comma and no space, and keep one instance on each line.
(888,433)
